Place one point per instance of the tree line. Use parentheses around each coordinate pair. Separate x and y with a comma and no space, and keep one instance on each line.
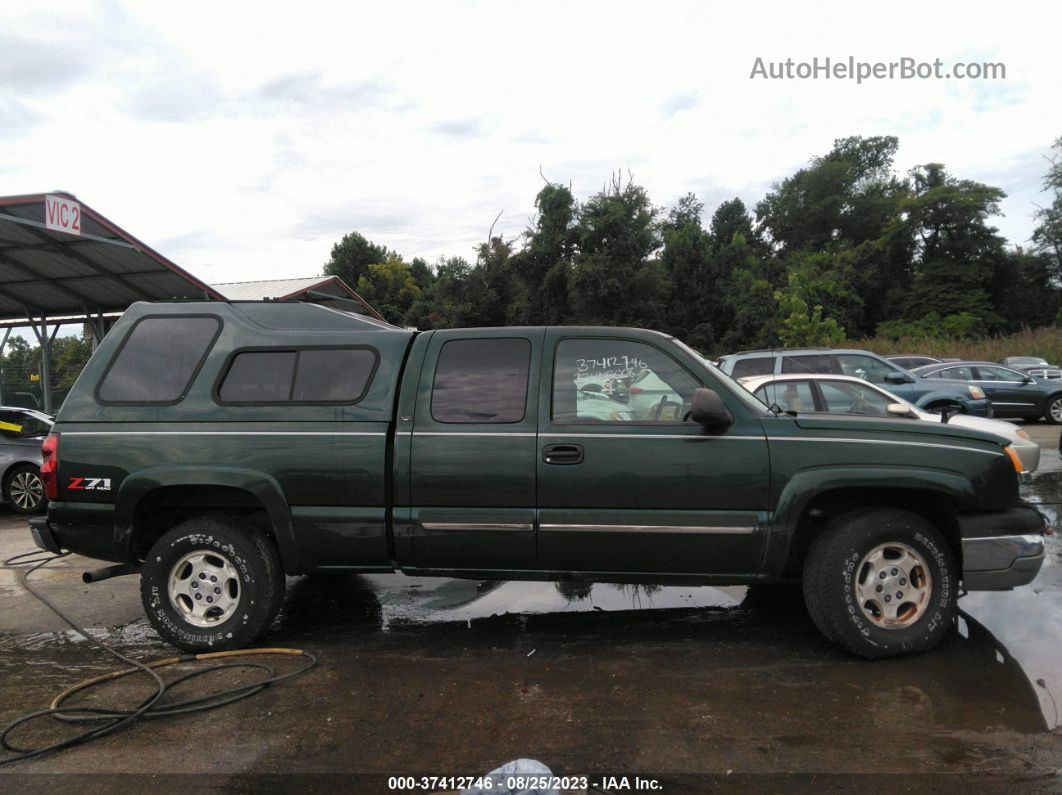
(844,248)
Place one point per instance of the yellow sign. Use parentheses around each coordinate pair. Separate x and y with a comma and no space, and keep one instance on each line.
(35,376)
(10,426)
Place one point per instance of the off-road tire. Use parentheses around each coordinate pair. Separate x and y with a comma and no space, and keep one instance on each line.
(830,574)
(251,553)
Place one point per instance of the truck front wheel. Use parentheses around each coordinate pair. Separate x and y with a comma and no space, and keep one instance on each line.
(211,585)
(881,582)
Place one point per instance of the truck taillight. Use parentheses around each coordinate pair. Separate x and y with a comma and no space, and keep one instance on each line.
(49,461)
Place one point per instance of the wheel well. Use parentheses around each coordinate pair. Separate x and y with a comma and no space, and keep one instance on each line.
(824,507)
(164,508)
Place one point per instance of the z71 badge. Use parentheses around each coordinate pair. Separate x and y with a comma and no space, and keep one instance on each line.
(89,484)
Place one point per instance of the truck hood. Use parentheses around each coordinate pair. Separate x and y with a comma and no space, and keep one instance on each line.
(850,424)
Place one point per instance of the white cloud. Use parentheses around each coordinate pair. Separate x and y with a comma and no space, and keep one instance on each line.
(249,137)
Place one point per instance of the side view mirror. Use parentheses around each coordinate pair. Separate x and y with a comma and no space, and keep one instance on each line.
(898,378)
(709,410)
(897,410)
(1028,380)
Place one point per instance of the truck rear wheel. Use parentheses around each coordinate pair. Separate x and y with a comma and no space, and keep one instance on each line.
(211,585)
(881,582)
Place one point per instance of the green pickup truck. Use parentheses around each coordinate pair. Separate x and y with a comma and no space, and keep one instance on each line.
(214,448)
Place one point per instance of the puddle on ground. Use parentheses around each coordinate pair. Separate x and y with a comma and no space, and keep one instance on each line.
(455,600)
(1027,622)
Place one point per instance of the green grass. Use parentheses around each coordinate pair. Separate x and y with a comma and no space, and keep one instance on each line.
(1045,342)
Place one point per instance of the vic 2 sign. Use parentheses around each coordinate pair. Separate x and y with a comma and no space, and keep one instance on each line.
(62,215)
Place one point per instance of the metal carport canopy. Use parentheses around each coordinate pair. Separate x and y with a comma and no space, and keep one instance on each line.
(49,277)
(48,273)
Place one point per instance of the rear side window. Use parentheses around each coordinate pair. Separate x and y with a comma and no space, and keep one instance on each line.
(158,360)
(958,373)
(481,381)
(814,363)
(259,377)
(333,376)
(758,365)
(326,375)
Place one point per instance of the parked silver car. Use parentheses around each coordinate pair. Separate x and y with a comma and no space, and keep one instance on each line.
(21,433)
(838,394)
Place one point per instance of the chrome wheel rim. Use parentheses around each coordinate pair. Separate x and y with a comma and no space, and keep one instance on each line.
(27,490)
(204,588)
(1056,410)
(893,586)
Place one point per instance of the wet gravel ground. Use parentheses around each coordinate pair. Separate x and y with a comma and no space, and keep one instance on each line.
(721,688)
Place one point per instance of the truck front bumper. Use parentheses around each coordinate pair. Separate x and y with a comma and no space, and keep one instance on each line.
(1001,549)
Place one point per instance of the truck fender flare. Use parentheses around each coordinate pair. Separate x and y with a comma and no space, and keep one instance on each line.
(806,486)
(260,485)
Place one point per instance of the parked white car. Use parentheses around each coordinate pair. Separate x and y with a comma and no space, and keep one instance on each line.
(839,394)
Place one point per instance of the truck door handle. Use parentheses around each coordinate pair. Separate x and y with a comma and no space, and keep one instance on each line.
(562,454)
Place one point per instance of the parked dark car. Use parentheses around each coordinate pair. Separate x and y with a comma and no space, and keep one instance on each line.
(215,447)
(1013,393)
(1034,366)
(930,395)
(909,361)
(21,433)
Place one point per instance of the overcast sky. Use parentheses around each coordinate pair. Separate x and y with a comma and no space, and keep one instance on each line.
(243,142)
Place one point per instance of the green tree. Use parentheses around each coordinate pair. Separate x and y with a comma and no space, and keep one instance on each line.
(451,302)
(956,251)
(848,204)
(390,287)
(352,256)
(802,324)
(1047,237)
(844,197)
(613,281)
(542,269)
(750,292)
(694,308)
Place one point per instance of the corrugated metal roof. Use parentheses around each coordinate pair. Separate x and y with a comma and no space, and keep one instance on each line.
(313,288)
(104,269)
(269,288)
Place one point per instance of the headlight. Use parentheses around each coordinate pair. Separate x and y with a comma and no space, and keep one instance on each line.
(976,392)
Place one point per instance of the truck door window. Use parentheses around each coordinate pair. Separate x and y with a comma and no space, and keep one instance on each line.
(158,359)
(613,380)
(481,380)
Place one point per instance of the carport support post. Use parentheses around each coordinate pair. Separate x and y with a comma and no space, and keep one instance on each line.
(46,359)
(3,345)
